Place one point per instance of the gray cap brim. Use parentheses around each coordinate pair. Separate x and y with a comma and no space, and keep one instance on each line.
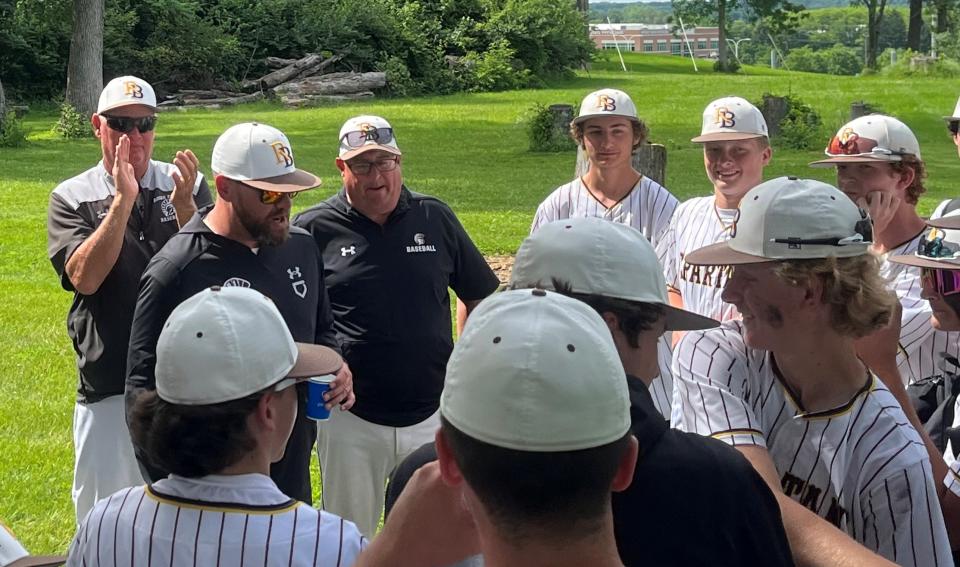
(832,161)
(39,561)
(314,360)
(682,320)
(921,262)
(720,254)
(726,137)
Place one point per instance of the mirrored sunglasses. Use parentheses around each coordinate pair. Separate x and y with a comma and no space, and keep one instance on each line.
(358,138)
(125,125)
(270,197)
(946,282)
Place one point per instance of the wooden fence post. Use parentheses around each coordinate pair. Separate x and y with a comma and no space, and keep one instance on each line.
(648,159)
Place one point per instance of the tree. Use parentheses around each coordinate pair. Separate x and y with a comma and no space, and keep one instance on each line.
(875,10)
(778,15)
(85,66)
(3,103)
(916,24)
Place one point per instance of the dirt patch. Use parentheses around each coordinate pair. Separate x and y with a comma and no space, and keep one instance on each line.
(502,266)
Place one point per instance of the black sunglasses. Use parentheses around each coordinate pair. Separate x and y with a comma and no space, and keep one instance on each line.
(953,126)
(125,125)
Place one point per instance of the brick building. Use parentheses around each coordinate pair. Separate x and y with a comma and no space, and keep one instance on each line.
(656,38)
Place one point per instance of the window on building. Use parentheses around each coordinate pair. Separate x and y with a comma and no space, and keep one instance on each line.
(714,44)
(701,44)
(675,47)
(623,45)
(662,45)
(648,46)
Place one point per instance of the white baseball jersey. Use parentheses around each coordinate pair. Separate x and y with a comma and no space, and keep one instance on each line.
(647,208)
(697,223)
(952,481)
(922,344)
(214,520)
(860,466)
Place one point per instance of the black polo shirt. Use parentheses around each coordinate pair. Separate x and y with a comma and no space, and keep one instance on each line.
(693,500)
(99,324)
(388,288)
(290,274)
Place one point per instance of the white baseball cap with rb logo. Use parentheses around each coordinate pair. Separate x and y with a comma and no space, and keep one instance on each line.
(362,134)
(606,102)
(731,118)
(260,156)
(126,91)
(869,139)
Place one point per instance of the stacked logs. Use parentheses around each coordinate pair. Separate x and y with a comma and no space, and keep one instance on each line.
(296,82)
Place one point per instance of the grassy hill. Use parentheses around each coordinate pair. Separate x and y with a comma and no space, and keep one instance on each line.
(470,150)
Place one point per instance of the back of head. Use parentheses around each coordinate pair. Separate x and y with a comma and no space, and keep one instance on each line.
(536,413)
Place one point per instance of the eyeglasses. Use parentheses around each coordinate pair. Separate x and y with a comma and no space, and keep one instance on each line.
(270,197)
(946,282)
(125,124)
(382,165)
(358,138)
(954,127)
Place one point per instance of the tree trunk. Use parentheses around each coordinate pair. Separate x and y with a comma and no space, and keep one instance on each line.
(915,25)
(943,16)
(870,41)
(85,68)
(3,103)
(583,6)
(722,26)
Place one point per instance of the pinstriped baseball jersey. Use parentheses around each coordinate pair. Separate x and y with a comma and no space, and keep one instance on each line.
(697,223)
(647,207)
(952,481)
(860,466)
(922,344)
(214,520)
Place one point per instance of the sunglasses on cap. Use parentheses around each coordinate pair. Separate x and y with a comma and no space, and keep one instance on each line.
(125,124)
(851,144)
(358,138)
(933,246)
(270,197)
(946,282)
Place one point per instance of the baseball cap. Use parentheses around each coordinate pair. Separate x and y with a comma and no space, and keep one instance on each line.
(939,247)
(13,554)
(600,257)
(868,139)
(126,91)
(956,113)
(226,343)
(731,118)
(606,102)
(790,219)
(536,371)
(260,156)
(365,133)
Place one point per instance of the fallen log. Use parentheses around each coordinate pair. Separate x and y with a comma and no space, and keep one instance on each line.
(297,101)
(225,101)
(305,67)
(334,84)
(279,62)
(206,94)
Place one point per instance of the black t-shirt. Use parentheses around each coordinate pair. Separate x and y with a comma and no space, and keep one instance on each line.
(693,500)
(99,324)
(388,291)
(290,274)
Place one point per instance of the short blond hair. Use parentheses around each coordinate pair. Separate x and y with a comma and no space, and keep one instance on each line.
(859,299)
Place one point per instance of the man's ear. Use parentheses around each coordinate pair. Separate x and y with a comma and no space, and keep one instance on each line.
(95,121)
(907,175)
(612,321)
(449,470)
(341,165)
(624,476)
(224,190)
(265,414)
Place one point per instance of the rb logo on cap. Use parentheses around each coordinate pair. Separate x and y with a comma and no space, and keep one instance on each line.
(606,103)
(283,153)
(132,89)
(725,118)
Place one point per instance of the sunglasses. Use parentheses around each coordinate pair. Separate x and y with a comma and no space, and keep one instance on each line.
(358,138)
(946,282)
(382,165)
(270,197)
(125,125)
(954,127)
(853,145)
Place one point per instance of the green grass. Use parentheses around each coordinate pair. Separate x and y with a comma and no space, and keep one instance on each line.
(470,150)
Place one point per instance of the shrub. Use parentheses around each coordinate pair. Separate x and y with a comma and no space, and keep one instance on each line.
(543,134)
(72,124)
(494,70)
(12,134)
(732,66)
(801,128)
(903,68)
(836,60)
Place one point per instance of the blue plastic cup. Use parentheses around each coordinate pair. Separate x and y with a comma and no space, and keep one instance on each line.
(317,386)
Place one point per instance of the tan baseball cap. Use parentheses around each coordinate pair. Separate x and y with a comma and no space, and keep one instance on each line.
(260,156)
(599,257)
(536,371)
(226,343)
(126,91)
(362,134)
(870,139)
(790,219)
(731,118)
(606,102)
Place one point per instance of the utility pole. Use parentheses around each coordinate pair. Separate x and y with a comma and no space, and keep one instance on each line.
(736,47)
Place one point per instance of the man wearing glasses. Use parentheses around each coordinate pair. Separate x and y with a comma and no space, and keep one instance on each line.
(390,256)
(103,226)
(245,241)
